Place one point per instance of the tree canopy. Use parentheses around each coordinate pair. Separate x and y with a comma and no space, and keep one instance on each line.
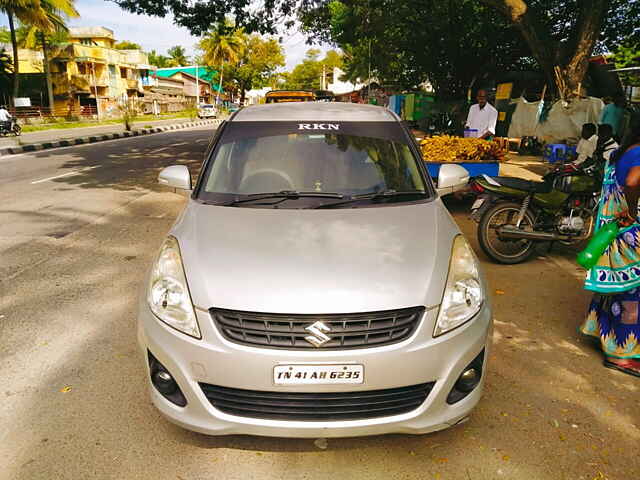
(127,45)
(40,18)
(409,40)
(257,65)
(178,56)
(562,34)
(427,40)
(628,55)
(307,74)
(158,60)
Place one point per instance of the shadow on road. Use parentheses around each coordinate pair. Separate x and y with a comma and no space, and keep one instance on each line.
(130,165)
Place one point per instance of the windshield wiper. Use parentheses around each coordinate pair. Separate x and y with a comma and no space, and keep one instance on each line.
(385,194)
(284,194)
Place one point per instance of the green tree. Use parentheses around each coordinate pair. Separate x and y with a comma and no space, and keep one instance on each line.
(160,61)
(628,55)
(257,65)
(333,59)
(178,56)
(428,40)
(127,45)
(307,74)
(35,36)
(556,32)
(562,35)
(220,48)
(28,12)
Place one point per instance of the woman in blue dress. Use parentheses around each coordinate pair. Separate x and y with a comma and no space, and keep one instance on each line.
(614,312)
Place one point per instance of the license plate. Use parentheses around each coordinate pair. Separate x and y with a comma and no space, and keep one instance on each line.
(317,374)
(477,204)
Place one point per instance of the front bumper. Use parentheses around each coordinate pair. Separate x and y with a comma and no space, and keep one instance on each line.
(213,360)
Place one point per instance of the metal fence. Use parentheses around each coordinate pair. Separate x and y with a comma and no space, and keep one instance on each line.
(58,112)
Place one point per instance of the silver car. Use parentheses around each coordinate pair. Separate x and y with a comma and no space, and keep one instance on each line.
(315,285)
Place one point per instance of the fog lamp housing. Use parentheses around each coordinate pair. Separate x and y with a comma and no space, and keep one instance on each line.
(164,382)
(468,380)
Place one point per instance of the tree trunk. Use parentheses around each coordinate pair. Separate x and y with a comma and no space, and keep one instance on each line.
(16,62)
(573,61)
(583,39)
(47,70)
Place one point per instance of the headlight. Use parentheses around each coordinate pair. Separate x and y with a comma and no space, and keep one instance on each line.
(168,294)
(463,295)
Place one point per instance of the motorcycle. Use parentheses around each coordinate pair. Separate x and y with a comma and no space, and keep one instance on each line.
(10,127)
(516,215)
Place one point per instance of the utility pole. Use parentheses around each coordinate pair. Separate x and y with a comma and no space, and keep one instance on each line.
(323,84)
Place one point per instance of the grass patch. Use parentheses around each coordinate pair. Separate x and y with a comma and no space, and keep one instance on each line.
(68,125)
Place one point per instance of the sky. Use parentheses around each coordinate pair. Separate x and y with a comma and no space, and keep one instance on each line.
(160,34)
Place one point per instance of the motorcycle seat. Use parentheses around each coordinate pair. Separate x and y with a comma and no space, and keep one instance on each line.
(524,185)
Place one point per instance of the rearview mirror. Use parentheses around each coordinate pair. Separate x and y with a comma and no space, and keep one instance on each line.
(452,178)
(175,176)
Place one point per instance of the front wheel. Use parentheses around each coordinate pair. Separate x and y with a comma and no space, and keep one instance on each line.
(17,130)
(506,250)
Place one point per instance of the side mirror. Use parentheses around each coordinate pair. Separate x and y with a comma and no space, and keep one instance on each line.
(175,176)
(452,178)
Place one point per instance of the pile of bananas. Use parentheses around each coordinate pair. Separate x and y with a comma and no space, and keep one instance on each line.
(446,148)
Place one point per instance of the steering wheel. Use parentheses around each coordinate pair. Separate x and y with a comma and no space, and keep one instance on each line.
(266,180)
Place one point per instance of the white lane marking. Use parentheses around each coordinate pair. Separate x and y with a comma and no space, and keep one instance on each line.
(68,174)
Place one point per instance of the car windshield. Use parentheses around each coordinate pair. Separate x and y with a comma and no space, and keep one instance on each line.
(315,163)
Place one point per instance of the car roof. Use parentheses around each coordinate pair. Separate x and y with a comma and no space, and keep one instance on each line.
(314,111)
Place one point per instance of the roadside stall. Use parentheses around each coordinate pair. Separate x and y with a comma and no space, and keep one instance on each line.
(476,156)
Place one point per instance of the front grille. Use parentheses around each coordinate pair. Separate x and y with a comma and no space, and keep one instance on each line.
(316,406)
(350,330)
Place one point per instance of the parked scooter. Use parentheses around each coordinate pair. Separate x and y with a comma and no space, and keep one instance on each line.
(10,127)
(515,215)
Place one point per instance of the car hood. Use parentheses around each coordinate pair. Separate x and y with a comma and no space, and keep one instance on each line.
(315,261)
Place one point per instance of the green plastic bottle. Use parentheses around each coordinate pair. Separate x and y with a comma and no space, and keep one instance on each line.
(588,257)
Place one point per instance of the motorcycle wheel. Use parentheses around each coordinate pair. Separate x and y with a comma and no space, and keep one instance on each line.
(17,130)
(508,251)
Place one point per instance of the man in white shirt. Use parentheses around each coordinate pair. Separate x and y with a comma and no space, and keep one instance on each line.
(482,117)
(5,116)
(587,144)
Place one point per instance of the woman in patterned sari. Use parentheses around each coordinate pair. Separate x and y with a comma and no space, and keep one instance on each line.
(614,312)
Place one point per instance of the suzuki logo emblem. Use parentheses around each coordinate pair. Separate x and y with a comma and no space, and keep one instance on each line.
(317,337)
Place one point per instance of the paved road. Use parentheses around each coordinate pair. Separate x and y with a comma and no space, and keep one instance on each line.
(62,134)
(73,250)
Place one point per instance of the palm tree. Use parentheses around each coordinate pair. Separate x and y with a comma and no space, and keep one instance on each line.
(56,12)
(178,56)
(158,60)
(28,12)
(222,47)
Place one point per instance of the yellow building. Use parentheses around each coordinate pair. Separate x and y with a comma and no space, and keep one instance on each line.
(89,72)
(30,61)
